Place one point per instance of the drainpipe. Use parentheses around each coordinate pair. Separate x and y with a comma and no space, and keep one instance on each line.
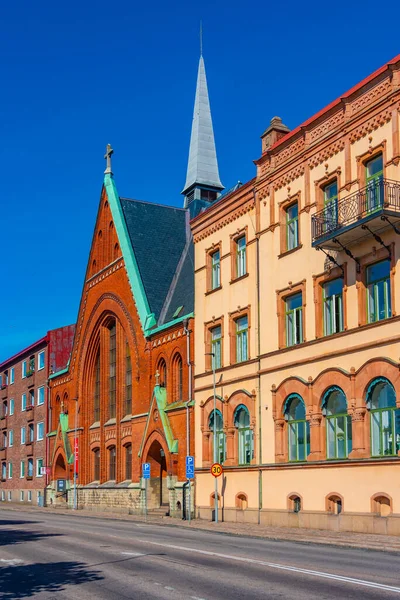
(48,425)
(189,364)
(259,368)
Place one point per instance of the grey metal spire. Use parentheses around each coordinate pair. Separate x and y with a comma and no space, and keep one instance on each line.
(202,164)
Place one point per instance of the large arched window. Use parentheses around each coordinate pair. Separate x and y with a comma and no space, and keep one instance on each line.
(112,453)
(128,381)
(162,371)
(96,464)
(219,448)
(177,378)
(298,428)
(385,418)
(96,390)
(112,379)
(338,424)
(245,435)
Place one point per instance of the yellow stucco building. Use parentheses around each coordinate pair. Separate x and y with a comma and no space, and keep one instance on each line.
(297,294)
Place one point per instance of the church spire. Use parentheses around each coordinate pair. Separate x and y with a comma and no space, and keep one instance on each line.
(202,178)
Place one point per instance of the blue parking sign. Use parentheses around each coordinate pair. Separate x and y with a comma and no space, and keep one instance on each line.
(146,470)
(190,467)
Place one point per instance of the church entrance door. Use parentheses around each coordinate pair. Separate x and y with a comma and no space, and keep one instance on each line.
(158,495)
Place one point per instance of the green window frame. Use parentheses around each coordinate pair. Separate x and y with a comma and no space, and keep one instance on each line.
(331,205)
(339,439)
(292,226)
(385,418)
(298,428)
(219,451)
(244,435)
(241,267)
(379,305)
(216,346)
(215,270)
(374,181)
(294,319)
(242,329)
(333,306)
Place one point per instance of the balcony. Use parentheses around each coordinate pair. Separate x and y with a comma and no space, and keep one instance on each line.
(347,221)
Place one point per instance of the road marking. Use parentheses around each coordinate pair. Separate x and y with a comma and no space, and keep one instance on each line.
(167,587)
(132,554)
(322,574)
(197,598)
(11,561)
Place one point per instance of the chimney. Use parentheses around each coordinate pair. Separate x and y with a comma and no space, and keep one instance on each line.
(273,133)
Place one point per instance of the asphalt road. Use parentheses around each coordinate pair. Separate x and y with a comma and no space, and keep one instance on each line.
(59,557)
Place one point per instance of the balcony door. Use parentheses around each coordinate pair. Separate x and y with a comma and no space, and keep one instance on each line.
(374,180)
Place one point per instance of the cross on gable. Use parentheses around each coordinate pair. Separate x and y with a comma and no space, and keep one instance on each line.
(107,156)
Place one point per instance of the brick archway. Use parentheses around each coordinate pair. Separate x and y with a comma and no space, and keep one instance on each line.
(155,452)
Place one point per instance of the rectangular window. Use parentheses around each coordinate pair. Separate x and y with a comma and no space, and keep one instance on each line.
(292,226)
(378,291)
(30,467)
(12,375)
(21,495)
(294,319)
(40,431)
(41,360)
(9,496)
(112,380)
(23,435)
(215,270)
(374,179)
(22,469)
(31,432)
(3,470)
(1,381)
(333,306)
(11,406)
(128,381)
(3,495)
(10,438)
(23,402)
(4,409)
(216,346)
(40,395)
(31,398)
(29,496)
(241,256)
(4,439)
(242,329)
(10,470)
(23,369)
(39,465)
(330,206)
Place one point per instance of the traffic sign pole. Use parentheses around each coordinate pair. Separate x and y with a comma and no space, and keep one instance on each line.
(189,477)
(146,476)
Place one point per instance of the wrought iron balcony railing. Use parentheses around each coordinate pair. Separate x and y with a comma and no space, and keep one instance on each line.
(379,197)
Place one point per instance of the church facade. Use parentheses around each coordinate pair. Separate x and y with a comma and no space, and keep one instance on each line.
(126,397)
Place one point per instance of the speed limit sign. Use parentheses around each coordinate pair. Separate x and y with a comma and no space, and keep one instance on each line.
(216,469)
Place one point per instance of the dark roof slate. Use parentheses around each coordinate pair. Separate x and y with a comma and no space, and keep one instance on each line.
(158,238)
(183,291)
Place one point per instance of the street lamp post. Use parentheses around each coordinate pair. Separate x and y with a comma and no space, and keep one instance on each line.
(212,354)
(76,449)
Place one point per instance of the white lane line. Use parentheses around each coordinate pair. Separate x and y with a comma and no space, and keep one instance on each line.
(132,554)
(197,598)
(11,561)
(167,587)
(322,574)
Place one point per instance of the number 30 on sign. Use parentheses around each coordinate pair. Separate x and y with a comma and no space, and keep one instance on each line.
(216,470)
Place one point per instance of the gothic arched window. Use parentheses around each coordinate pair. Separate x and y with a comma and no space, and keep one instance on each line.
(96,389)
(177,367)
(112,378)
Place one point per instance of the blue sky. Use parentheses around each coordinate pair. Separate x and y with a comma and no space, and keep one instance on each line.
(76,76)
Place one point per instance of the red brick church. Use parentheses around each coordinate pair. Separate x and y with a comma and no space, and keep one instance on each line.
(126,396)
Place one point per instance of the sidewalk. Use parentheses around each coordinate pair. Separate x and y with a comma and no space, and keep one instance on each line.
(366,541)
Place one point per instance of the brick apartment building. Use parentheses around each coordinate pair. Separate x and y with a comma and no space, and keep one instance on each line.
(24,415)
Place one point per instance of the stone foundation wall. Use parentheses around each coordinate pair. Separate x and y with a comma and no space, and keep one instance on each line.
(353,522)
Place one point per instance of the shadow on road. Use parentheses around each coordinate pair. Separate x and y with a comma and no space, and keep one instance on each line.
(10,522)
(9,537)
(28,580)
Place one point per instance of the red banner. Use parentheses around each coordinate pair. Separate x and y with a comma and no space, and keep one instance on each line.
(76,455)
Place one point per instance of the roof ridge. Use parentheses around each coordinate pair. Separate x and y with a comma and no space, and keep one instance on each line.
(152,203)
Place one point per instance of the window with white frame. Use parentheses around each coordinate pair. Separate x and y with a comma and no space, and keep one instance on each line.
(41,360)
(23,402)
(29,496)
(22,469)
(10,438)
(3,495)
(39,465)
(21,495)
(40,395)
(9,496)
(12,375)
(31,398)
(3,470)
(40,430)
(11,406)
(23,369)
(31,432)
(23,435)
(10,470)
(30,467)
